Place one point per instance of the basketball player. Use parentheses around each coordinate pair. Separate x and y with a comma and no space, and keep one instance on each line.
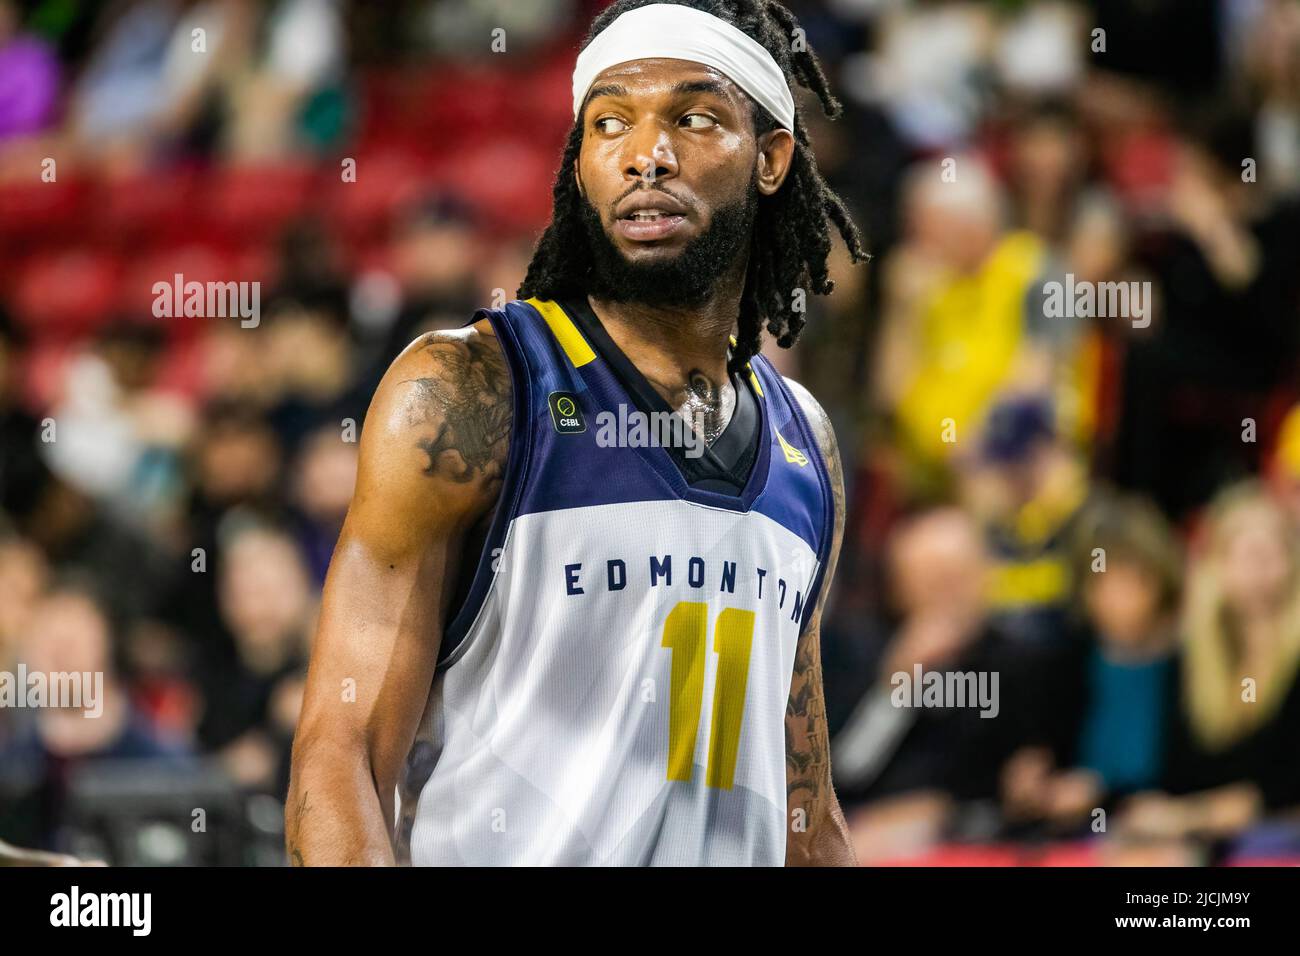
(541,647)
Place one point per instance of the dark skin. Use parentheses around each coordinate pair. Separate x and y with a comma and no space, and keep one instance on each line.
(685,130)
(434,450)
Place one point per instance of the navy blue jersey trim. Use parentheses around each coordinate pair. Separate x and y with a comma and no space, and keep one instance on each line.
(730,457)
(823,479)
(606,387)
(512,486)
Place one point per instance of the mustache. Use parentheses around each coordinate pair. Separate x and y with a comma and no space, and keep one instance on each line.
(653,189)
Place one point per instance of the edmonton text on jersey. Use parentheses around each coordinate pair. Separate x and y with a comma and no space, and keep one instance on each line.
(616,574)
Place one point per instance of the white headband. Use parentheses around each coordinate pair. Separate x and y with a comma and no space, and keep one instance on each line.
(684,33)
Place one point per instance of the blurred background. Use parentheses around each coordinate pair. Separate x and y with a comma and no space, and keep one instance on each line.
(171,489)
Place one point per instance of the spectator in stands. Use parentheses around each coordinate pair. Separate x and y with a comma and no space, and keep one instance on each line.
(23,576)
(141,80)
(234,368)
(133,570)
(954,318)
(1109,695)
(235,469)
(1047,161)
(1191,380)
(308,354)
(286,91)
(235,461)
(69,632)
(1270,58)
(119,436)
(435,249)
(250,696)
(1086,241)
(905,760)
(929,57)
(1027,487)
(1232,756)
(323,478)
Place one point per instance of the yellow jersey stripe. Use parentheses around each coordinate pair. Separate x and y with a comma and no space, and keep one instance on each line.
(565,332)
(753,379)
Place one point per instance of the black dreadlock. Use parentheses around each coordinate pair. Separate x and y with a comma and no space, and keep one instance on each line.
(791,240)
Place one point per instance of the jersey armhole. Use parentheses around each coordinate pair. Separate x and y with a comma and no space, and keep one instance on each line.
(517,458)
(823,481)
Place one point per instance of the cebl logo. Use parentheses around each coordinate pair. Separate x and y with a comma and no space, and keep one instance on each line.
(566,414)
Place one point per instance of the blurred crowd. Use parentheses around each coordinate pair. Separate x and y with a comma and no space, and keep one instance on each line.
(1102,511)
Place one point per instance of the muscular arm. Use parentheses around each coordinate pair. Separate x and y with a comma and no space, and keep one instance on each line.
(431,460)
(818,835)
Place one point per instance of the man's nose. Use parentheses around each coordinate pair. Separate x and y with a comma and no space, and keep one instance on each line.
(651,156)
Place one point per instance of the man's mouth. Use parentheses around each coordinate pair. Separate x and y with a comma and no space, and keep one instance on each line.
(649,225)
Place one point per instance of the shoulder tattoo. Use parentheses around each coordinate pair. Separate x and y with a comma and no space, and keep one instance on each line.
(463,413)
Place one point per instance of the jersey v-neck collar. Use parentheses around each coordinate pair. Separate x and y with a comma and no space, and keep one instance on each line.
(580,334)
(725,465)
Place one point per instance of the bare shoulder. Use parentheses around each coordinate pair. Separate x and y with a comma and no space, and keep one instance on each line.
(442,414)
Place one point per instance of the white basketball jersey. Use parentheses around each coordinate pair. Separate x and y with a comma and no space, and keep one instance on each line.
(614,690)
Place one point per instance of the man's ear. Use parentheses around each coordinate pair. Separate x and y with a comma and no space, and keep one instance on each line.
(775,157)
(577,178)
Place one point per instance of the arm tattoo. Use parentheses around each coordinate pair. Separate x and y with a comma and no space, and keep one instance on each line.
(808,776)
(464,412)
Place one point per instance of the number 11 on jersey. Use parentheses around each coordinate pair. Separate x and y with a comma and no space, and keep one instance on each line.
(685,634)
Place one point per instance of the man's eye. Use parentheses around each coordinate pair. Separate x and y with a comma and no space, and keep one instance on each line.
(698,121)
(610,125)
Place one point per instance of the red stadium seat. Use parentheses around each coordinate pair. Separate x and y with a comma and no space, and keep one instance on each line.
(38,212)
(66,293)
(156,207)
(461,103)
(386,182)
(545,102)
(507,180)
(254,203)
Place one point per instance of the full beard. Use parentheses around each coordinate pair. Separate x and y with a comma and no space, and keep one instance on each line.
(688,279)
